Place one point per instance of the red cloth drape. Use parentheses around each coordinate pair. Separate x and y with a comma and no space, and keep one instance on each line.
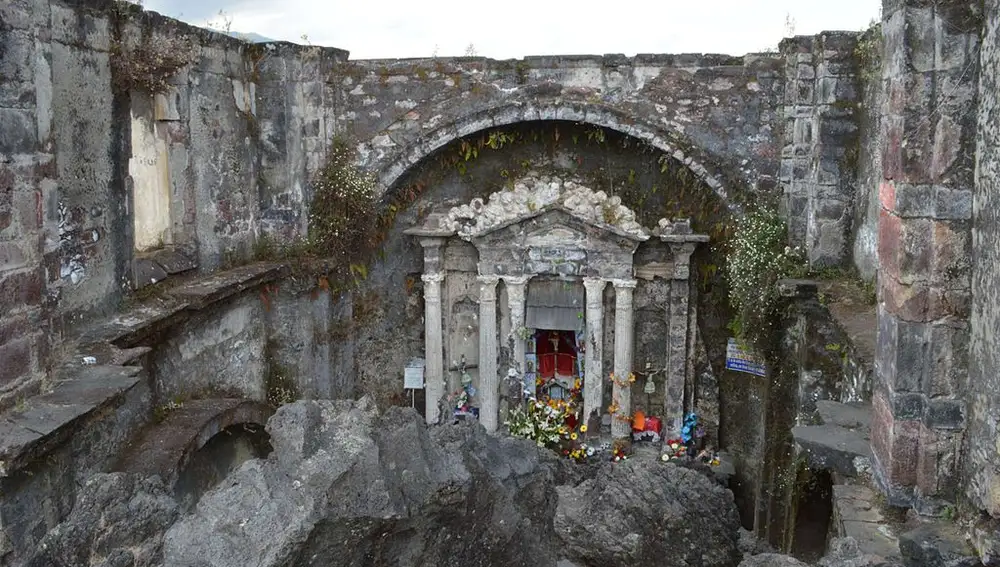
(560,359)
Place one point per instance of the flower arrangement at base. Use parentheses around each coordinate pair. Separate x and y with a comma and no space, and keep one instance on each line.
(674,449)
(684,446)
(551,423)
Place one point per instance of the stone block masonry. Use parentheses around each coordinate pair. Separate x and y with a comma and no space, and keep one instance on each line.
(27,173)
(924,246)
(820,134)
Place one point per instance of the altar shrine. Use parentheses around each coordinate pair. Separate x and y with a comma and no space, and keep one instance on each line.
(537,285)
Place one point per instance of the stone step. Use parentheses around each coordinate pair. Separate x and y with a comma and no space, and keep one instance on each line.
(837,449)
(841,442)
(80,392)
(856,515)
(857,416)
(937,543)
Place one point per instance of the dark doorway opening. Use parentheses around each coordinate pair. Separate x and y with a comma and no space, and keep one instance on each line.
(814,510)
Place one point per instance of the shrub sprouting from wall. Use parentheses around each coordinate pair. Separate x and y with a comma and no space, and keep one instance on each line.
(343,209)
(758,256)
(149,65)
(868,53)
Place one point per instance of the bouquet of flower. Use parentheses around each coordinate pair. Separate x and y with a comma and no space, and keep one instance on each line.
(551,423)
(684,446)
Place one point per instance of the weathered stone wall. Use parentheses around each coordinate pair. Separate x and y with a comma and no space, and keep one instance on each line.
(982,452)
(296,118)
(820,137)
(218,353)
(866,156)
(719,112)
(230,335)
(72,182)
(924,244)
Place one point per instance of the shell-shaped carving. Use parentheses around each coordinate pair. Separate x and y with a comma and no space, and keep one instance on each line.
(533,193)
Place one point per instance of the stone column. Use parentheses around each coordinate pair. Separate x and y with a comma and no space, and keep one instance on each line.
(593,366)
(433,347)
(677,340)
(624,329)
(489,381)
(515,300)
(922,375)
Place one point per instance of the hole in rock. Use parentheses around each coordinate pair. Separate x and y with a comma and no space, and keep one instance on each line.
(223,454)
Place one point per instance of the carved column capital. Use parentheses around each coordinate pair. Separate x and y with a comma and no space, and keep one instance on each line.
(682,258)
(432,278)
(433,257)
(516,286)
(594,288)
(488,287)
(432,286)
(624,284)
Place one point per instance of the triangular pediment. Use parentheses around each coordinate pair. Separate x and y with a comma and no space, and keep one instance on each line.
(536,196)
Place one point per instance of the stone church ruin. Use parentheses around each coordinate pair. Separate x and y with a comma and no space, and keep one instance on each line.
(240,280)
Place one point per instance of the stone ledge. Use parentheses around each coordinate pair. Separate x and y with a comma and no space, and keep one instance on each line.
(106,364)
(136,325)
(50,419)
(155,267)
(221,285)
(937,542)
(841,444)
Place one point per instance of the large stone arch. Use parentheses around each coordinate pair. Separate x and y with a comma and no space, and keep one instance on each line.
(390,160)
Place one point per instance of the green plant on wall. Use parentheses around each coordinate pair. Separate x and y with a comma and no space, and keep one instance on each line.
(343,207)
(868,53)
(756,259)
(344,224)
(148,61)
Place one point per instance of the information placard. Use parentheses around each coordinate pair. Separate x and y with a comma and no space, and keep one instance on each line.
(740,360)
(413,375)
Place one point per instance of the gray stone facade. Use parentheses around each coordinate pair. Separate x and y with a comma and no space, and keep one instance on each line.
(882,154)
(551,230)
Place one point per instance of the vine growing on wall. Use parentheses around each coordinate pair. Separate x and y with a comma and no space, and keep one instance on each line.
(757,258)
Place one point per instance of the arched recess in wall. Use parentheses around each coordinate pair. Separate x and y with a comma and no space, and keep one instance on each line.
(392,163)
(388,313)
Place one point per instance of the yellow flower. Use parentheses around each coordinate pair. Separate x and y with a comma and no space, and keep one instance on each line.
(573,436)
(562,430)
(583,429)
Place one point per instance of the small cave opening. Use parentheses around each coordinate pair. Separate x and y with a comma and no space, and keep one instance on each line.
(222,455)
(813,514)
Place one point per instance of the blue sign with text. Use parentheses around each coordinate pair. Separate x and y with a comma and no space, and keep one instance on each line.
(740,360)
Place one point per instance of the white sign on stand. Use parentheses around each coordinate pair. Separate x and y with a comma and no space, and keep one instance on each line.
(413,375)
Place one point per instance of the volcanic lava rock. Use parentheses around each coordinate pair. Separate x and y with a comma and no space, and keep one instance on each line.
(772,560)
(641,512)
(346,486)
(118,521)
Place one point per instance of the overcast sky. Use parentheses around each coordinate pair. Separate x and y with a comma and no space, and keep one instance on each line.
(515,28)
